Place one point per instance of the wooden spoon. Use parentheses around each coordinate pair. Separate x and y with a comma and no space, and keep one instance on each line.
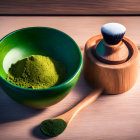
(52,128)
(68,116)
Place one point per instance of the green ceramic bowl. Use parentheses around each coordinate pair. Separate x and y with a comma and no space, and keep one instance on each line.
(43,41)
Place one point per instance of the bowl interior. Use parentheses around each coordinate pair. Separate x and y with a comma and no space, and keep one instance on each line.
(42,41)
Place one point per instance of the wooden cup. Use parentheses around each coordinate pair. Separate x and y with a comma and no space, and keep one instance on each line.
(113,79)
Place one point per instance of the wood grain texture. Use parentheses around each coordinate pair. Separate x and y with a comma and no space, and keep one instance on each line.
(68,7)
(112,54)
(113,78)
(69,115)
(110,117)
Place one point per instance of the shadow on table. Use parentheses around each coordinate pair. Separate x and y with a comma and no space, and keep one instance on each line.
(12,111)
(82,89)
(38,134)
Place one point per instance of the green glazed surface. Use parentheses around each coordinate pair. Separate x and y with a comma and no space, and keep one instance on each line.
(39,41)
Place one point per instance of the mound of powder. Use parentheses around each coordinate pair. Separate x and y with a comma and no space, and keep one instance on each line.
(53,127)
(36,72)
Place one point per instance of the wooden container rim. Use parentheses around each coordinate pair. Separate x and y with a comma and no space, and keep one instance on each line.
(101,64)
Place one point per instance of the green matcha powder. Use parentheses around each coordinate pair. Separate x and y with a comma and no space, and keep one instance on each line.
(53,127)
(36,72)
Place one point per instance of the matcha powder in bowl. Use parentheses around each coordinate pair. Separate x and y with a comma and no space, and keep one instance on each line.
(36,72)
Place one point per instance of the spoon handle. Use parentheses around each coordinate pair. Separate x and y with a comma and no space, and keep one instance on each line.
(68,116)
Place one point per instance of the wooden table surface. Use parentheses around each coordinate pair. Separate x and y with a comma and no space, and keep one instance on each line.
(114,117)
(69,7)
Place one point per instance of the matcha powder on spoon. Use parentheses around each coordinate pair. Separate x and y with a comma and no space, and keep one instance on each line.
(53,127)
(36,72)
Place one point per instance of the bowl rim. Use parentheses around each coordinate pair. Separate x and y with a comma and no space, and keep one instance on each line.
(68,80)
